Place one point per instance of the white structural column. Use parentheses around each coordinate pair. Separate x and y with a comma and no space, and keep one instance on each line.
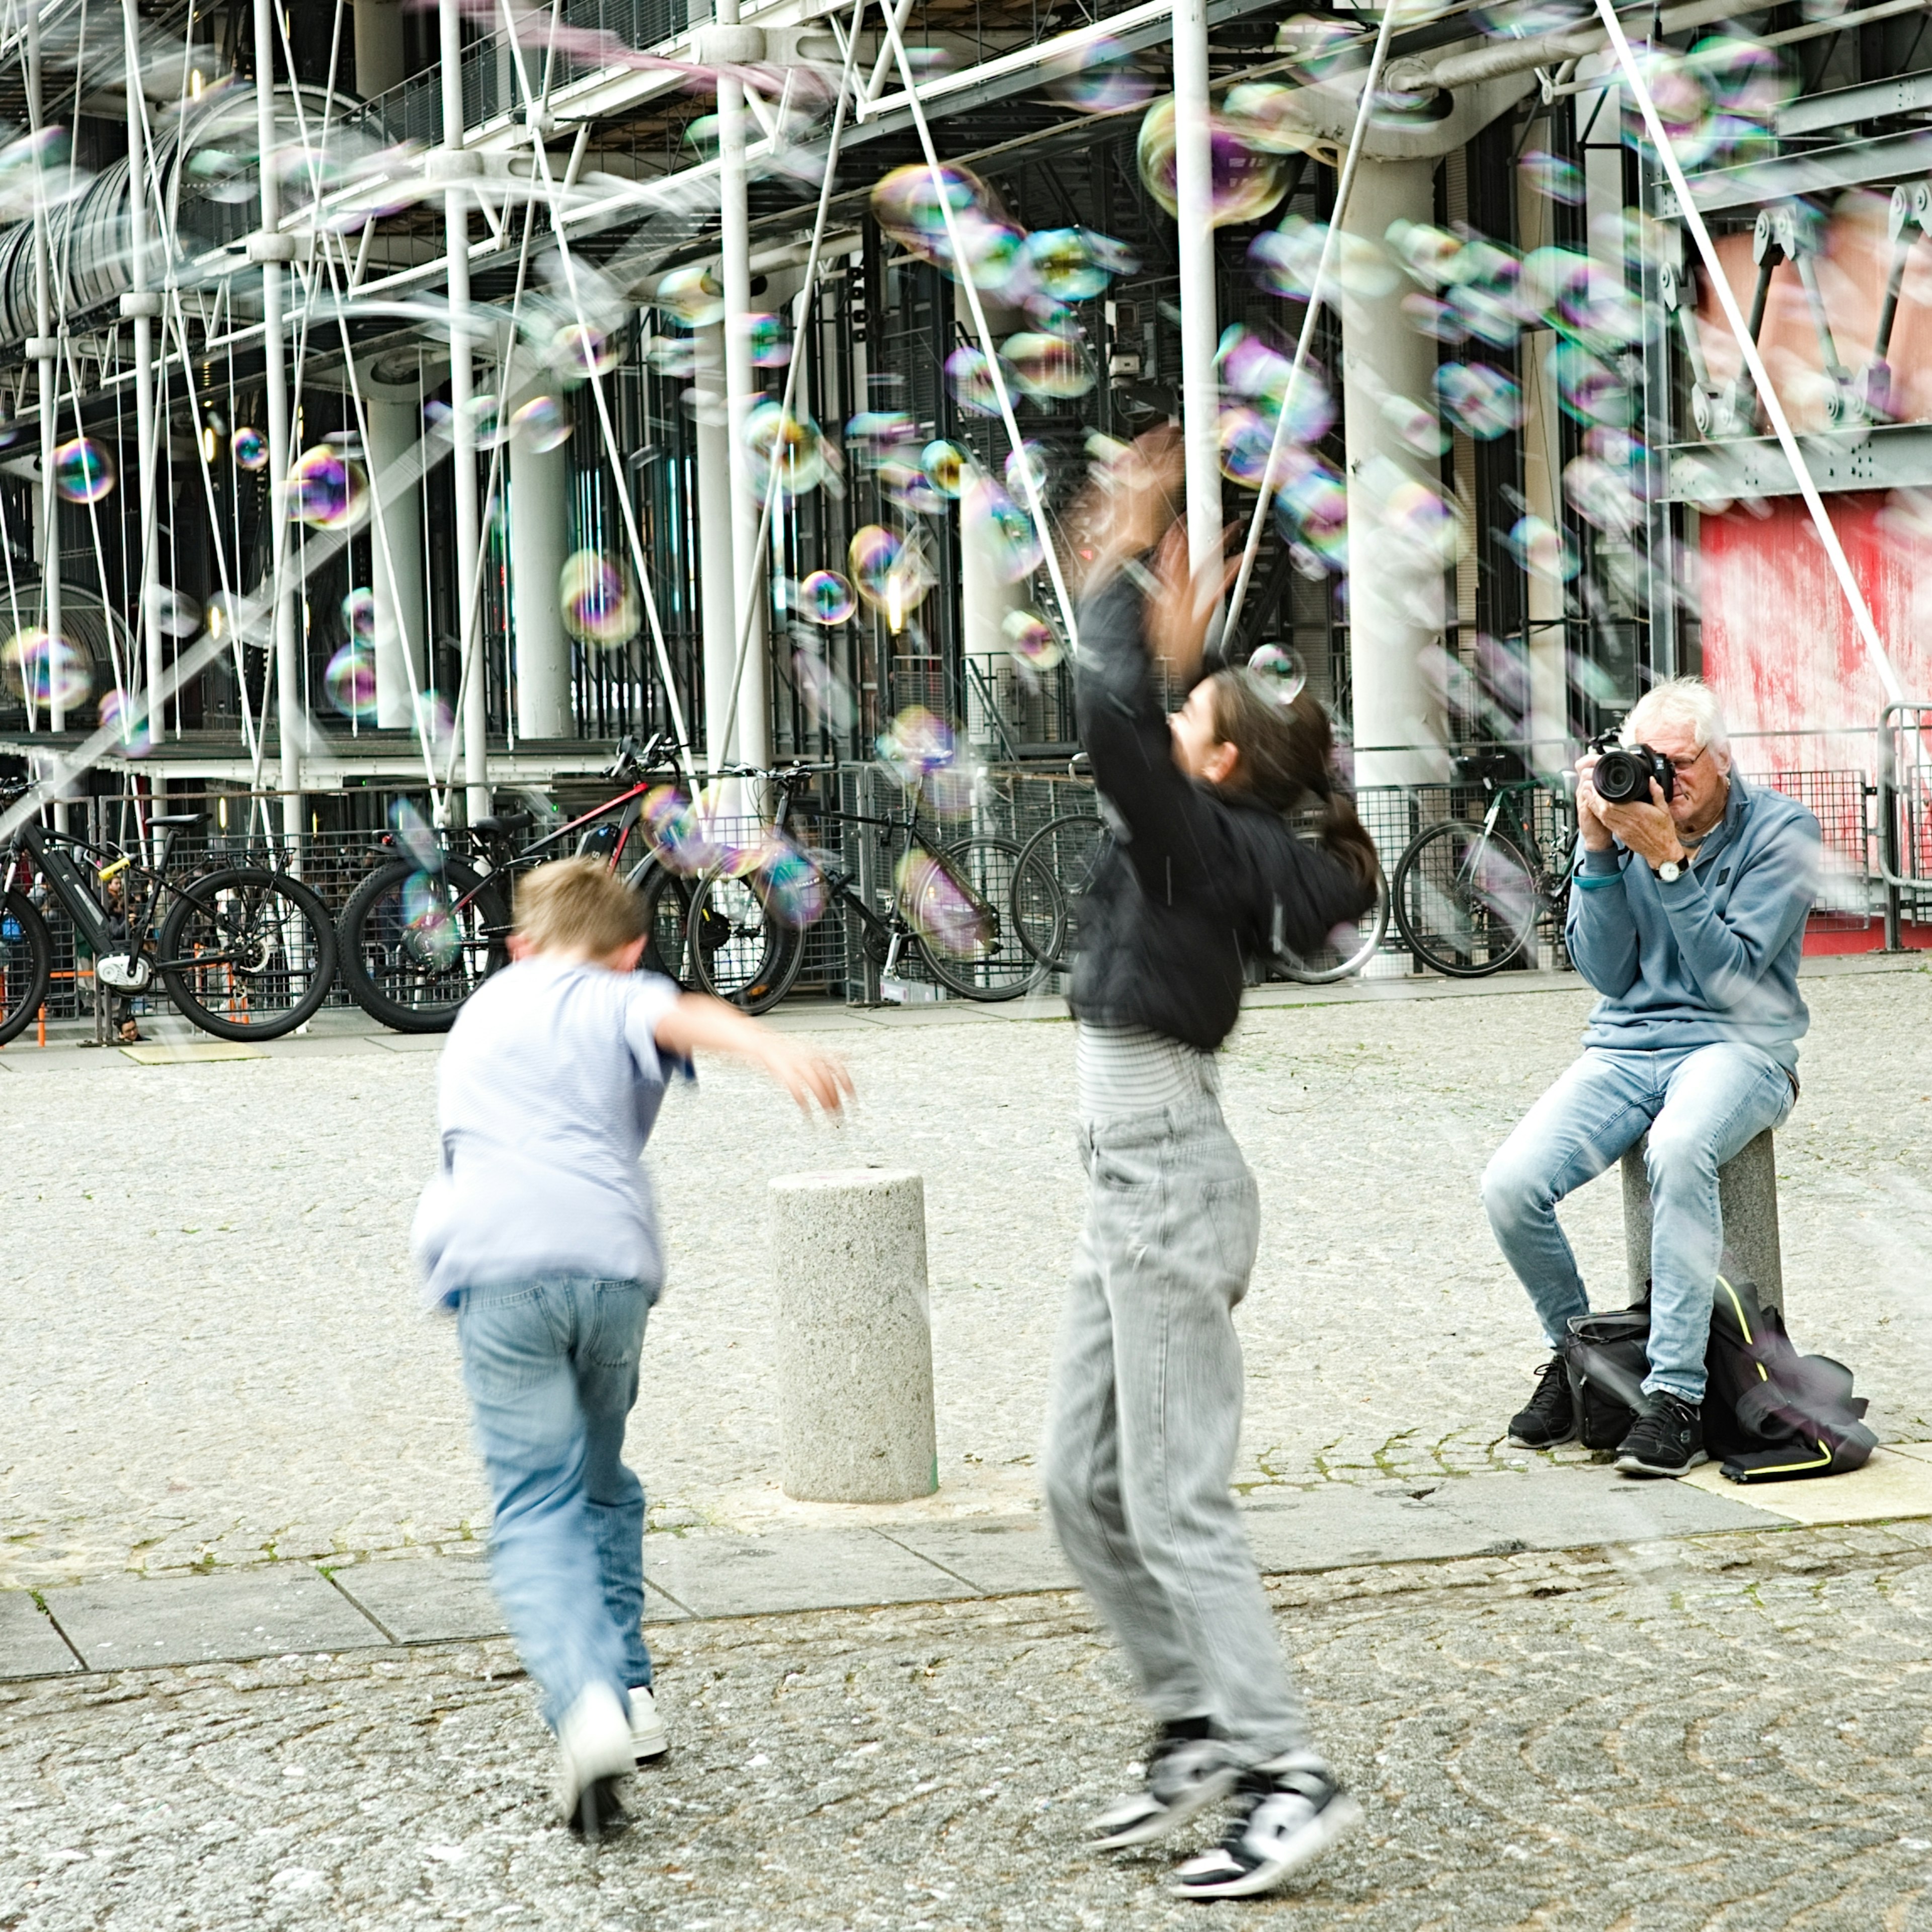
(475,719)
(1200,322)
(539,544)
(142,308)
(271,251)
(396,576)
(717,596)
(380,60)
(751,739)
(1395,587)
(45,350)
(1546,722)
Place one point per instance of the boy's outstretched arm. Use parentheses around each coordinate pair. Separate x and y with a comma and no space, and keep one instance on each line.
(698,1020)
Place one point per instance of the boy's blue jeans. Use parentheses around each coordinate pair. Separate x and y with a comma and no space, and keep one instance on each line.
(551,1367)
(1702,1105)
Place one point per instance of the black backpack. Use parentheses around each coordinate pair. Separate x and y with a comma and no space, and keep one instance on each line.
(1771,1415)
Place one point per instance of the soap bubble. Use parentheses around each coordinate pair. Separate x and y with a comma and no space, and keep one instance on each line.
(1324,50)
(1542,550)
(1283,260)
(1071,264)
(358,612)
(174,615)
(1518,20)
(693,295)
(939,908)
(1481,401)
(599,605)
(826,598)
(990,516)
(1047,366)
(1246,437)
(415,836)
(1591,390)
(906,203)
(577,352)
(45,669)
(135,733)
(1604,495)
(947,466)
(873,435)
(542,424)
(828,699)
(679,831)
(488,426)
(430,931)
(906,484)
(1424,523)
(350,680)
(1278,673)
(1311,509)
(1100,79)
(1555,178)
(675,356)
(435,722)
(83,471)
(1247,180)
(1026,464)
(1416,425)
(795,889)
(249,449)
(1433,256)
(969,376)
(772,434)
(770,349)
(328,490)
(1032,639)
(889,572)
(916,743)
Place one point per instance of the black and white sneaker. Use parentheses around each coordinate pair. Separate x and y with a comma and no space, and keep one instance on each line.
(1187,1771)
(1665,1440)
(1550,1418)
(1282,1820)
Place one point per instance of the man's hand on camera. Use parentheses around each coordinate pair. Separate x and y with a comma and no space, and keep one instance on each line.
(1590,807)
(1648,830)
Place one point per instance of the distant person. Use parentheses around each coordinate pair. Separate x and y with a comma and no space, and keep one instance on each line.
(1688,915)
(539,1229)
(1205,876)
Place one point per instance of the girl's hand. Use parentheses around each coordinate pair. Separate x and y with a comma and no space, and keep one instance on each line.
(1180,611)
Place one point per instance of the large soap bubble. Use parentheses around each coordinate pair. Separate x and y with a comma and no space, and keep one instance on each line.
(328,490)
(1248,180)
(45,669)
(83,471)
(599,606)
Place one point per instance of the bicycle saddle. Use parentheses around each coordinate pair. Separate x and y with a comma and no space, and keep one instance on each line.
(502,824)
(177,818)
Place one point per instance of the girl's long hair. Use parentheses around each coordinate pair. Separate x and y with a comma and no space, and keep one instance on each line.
(1287,754)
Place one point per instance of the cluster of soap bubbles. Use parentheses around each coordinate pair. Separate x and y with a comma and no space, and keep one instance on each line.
(922,752)
(430,932)
(691,835)
(349,680)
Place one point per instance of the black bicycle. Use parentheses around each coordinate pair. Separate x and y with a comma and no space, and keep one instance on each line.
(949,905)
(244,952)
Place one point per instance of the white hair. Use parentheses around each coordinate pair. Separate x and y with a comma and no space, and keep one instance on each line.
(1680,700)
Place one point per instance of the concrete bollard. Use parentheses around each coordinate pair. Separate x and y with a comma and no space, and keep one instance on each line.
(855,1336)
(1747,1192)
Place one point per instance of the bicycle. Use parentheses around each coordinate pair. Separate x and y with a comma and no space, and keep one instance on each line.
(427,927)
(948,903)
(244,952)
(1057,869)
(1468,896)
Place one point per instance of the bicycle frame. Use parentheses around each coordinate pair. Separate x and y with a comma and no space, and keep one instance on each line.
(43,847)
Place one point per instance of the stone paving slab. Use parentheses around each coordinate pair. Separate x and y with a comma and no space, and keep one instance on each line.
(795,1570)
(131,1622)
(1896,1483)
(447,1599)
(171,1052)
(1000,1556)
(30,1646)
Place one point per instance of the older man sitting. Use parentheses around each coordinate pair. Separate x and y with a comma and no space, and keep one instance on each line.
(1686,914)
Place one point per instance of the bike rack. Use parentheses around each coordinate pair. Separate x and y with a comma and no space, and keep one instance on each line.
(1904,809)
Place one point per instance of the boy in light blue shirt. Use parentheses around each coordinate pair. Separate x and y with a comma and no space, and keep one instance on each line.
(539,1230)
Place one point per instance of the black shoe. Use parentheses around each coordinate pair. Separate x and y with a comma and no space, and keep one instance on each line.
(1187,1771)
(1282,1820)
(1665,1440)
(1551,1418)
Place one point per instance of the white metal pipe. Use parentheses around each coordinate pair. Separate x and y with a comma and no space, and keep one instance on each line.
(1200,319)
(144,364)
(47,358)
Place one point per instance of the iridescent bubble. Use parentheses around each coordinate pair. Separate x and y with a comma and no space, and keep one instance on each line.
(1415,424)
(995,253)
(795,889)
(1278,673)
(542,423)
(770,347)
(430,931)
(577,352)
(1590,390)
(677,831)
(1554,178)
(122,714)
(1067,266)
(873,435)
(1284,260)
(905,483)
(174,615)
(1603,496)
(435,722)
(889,572)
(1246,437)
(944,916)
(1481,401)
(358,612)
(1542,550)
(83,471)
(46,670)
(1432,255)
(350,680)
(1011,543)
(1311,509)
(675,356)
(969,377)
(693,295)
(906,205)
(1324,50)
(1047,366)
(947,466)
(1032,639)
(1271,117)
(249,449)
(772,435)
(1424,522)
(1518,20)
(599,606)
(415,836)
(328,490)
(1248,181)
(1026,465)
(826,598)
(704,134)
(917,742)
(1100,79)
(828,699)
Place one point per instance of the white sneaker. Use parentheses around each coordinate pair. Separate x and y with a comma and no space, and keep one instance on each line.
(594,1750)
(1280,1823)
(1185,1775)
(648,1737)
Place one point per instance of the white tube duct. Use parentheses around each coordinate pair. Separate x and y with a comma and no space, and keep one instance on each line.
(1200,319)
(138,304)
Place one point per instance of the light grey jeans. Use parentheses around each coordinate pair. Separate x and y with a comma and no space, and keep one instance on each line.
(1143,1421)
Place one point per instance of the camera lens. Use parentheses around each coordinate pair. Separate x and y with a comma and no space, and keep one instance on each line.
(1620,776)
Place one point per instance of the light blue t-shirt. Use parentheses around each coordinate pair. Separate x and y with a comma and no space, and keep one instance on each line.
(548,1088)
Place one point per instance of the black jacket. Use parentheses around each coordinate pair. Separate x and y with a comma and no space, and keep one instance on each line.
(1197,882)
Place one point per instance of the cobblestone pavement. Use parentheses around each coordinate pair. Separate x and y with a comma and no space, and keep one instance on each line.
(1726,1733)
(212,1354)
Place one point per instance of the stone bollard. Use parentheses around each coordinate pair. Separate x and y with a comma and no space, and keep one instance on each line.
(855,1336)
(1748,1193)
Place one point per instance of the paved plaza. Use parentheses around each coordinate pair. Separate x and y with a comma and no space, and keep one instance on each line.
(235,1468)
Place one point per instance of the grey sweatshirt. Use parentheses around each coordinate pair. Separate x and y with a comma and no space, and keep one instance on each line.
(1712,957)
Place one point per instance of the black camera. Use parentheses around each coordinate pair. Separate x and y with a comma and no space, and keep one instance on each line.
(1624,772)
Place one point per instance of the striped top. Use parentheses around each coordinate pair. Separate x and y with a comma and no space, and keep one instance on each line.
(1122,1070)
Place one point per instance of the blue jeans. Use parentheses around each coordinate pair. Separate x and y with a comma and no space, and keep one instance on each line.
(551,1367)
(1702,1105)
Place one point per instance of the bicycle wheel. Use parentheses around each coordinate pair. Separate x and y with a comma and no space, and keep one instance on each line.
(1056,868)
(1465,900)
(412,947)
(959,902)
(666,909)
(26,963)
(1349,948)
(246,953)
(735,948)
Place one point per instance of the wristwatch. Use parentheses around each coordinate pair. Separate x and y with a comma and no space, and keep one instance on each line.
(1670,872)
